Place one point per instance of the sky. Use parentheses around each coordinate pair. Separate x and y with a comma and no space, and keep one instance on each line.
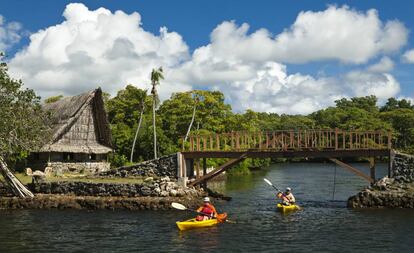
(292,57)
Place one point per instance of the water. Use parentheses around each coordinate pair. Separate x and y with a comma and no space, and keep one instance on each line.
(324,225)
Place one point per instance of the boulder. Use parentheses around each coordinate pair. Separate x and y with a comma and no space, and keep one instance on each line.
(48,172)
(28,172)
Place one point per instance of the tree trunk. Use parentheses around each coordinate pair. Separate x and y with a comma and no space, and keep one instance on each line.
(136,133)
(155,129)
(191,123)
(15,185)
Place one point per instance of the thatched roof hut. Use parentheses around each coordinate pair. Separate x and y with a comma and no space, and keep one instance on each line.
(79,125)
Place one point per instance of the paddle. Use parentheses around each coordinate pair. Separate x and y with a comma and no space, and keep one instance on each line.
(270,183)
(183,208)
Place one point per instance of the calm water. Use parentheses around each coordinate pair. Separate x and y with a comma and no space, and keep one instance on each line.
(325,224)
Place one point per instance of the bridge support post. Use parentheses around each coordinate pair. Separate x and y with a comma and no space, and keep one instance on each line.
(205,172)
(372,168)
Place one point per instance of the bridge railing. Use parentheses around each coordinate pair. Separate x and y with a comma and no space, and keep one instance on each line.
(285,140)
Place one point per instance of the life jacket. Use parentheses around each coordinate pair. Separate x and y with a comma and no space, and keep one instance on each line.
(207,210)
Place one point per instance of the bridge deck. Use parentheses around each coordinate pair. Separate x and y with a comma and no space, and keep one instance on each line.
(288,153)
(324,143)
(288,141)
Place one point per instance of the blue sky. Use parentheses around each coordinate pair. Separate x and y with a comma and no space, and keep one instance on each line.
(194,23)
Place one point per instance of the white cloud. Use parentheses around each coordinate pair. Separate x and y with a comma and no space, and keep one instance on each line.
(92,48)
(408,56)
(10,33)
(336,33)
(364,83)
(384,65)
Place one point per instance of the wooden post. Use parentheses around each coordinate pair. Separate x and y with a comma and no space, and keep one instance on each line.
(336,138)
(205,172)
(389,140)
(237,141)
(267,140)
(372,168)
(218,141)
(197,165)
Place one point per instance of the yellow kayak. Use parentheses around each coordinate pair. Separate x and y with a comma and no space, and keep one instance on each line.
(289,208)
(193,223)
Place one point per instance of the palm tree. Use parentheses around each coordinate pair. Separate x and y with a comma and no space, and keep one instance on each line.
(156,76)
(139,126)
(196,100)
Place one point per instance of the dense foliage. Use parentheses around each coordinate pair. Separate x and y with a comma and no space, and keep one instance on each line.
(213,114)
(23,123)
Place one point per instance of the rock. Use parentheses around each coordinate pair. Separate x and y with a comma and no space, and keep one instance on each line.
(48,171)
(165,179)
(145,191)
(173,193)
(148,179)
(28,172)
(164,194)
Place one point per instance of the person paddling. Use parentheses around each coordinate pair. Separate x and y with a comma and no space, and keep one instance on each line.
(287,197)
(207,210)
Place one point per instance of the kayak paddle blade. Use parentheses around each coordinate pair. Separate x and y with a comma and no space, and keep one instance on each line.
(268,182)
(178,206)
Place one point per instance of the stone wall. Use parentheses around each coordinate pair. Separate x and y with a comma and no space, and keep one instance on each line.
(161,167)
(386,192)
(60,168)
(402,169)
(154,188)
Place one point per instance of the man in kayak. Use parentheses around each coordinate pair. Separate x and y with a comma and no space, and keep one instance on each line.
(287,197)
(208,211)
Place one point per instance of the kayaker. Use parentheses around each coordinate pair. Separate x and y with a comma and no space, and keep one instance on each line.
(289,196)
(208,210)
(282,196)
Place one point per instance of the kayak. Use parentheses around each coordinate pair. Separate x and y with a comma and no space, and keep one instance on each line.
(193,223)
(289,208)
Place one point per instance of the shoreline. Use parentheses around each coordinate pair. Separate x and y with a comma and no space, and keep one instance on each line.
(55,201)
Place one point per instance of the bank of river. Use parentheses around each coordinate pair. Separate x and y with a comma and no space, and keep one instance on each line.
(325,225)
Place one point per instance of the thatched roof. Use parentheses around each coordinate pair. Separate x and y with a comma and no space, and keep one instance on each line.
(79,125)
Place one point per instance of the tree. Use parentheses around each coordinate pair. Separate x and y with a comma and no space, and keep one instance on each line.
(23,125)
(393,104)
(213,114)
(139,126)
(368,103)
(156,76)
(53,99)
(196,100)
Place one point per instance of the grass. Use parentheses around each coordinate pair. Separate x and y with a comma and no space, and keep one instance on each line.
(76,178)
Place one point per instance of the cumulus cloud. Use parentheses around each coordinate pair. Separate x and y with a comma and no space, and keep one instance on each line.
(10,33)
(408,56)
(98,47)
(269,87)
(92,48)
(384,65)
(336,33)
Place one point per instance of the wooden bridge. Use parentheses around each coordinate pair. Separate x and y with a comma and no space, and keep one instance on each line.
(322,143)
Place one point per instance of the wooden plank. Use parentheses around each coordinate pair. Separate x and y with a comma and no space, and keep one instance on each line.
(372,168)
(336,138)
(219,170)
(352,169)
